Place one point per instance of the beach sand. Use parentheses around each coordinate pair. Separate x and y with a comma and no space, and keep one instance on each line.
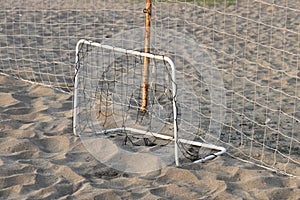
(42,159)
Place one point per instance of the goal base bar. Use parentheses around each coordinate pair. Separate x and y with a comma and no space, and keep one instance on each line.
(220,150)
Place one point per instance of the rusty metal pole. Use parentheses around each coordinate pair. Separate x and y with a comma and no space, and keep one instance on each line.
(147,11)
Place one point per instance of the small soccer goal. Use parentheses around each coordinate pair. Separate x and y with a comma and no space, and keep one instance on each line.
(109,100)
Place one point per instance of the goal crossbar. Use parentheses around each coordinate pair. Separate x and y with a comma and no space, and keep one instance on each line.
(220,150)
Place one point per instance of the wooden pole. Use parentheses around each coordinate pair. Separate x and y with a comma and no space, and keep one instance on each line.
(147,10)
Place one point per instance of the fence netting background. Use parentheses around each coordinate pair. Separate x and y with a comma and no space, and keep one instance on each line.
(254,46)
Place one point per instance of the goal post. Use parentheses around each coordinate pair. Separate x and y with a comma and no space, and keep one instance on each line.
(108,99)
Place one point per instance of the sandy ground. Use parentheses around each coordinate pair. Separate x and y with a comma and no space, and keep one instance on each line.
(41,159)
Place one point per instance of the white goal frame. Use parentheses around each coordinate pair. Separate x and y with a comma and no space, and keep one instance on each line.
(220,150)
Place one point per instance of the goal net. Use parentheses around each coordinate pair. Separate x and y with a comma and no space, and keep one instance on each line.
(108,104)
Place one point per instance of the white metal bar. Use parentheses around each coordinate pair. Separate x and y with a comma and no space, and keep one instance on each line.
(142,132)
(75,95)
